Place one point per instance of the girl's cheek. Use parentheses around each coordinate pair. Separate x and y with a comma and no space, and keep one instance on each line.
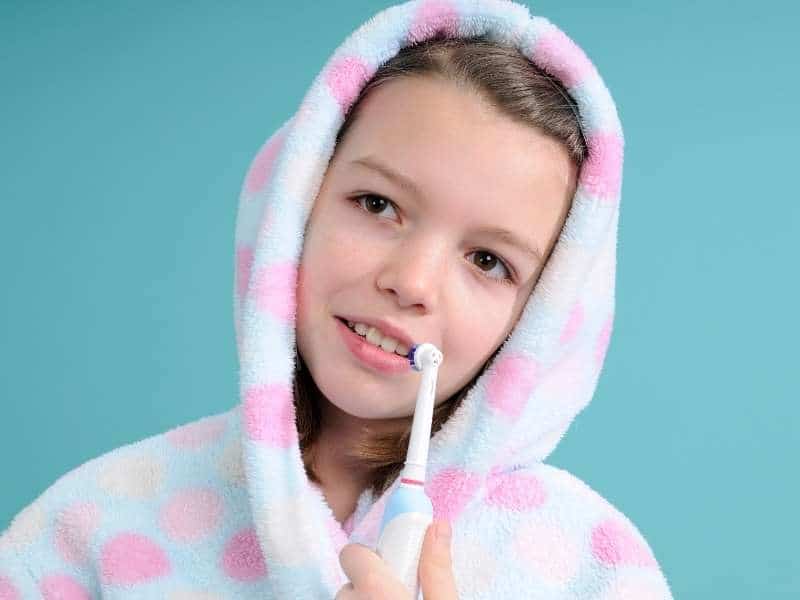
(350,249)
(360,243)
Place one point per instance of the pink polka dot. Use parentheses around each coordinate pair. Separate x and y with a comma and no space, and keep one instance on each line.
(130,558)
(601,172)
(566,385)
(515,491)
(269,415)
(433,17)
(274,287)
(73,530)
(557,54)
(191,514)
(261,168)
(511,383)
(197,434)
(7,590)
(548,550)
(603,340)
(614,544)
(242,559)
(62,587)
(345,78)
(450,490)
(573,325)
(244,262)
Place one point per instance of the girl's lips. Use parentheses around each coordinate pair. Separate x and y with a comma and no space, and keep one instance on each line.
(372,356)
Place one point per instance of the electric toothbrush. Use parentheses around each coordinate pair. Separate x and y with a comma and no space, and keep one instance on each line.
(409,511)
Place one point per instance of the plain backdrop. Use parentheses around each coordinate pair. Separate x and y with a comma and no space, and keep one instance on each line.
(127,128)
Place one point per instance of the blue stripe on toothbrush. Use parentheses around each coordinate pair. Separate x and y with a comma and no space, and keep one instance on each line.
(406,499)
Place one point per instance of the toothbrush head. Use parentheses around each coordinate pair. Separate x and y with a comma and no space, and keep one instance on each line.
(424,355)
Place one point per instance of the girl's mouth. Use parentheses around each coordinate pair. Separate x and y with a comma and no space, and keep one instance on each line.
(374,357)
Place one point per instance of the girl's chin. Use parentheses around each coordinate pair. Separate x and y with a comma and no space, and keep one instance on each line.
(365,409)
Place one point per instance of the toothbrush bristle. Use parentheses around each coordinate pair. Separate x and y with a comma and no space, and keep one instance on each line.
(411,355)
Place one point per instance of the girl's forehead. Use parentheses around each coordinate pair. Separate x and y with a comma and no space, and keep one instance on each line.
(432,131)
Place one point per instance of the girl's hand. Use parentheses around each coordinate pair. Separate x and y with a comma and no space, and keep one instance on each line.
(371,579)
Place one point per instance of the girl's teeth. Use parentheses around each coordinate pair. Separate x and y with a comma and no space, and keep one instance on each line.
(374,337)
(389,344)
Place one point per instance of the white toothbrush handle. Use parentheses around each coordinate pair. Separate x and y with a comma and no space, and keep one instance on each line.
(400,546)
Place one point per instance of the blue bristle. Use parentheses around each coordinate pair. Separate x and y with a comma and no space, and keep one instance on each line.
(411,355)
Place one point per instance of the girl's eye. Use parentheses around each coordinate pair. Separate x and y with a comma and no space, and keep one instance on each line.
(486,261)
(373,203)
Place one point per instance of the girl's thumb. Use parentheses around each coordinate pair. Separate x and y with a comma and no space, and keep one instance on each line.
(435,565)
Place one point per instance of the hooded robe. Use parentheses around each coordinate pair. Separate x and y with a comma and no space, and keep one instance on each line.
(223,508)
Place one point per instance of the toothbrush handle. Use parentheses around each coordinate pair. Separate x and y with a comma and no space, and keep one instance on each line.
(400,546)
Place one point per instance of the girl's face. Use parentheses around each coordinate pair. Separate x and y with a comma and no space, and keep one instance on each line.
(405,230)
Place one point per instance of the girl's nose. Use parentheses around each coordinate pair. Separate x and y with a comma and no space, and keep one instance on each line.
(415,274)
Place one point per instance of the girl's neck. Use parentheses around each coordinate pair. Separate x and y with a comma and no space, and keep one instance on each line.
(342,479)
(342,433)
(334,458)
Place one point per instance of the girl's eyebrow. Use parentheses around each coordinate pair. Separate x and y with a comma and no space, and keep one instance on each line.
(511,239)
(388,173)
(408,185)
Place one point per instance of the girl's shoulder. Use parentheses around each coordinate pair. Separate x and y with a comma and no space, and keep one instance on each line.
(551,529)
(146,469)
(161,489)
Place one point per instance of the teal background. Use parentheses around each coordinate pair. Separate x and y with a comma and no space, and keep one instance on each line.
(127,128)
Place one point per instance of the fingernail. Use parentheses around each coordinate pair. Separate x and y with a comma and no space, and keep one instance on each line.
(443,531)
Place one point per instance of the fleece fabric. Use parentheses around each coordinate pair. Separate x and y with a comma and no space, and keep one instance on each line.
(222,507)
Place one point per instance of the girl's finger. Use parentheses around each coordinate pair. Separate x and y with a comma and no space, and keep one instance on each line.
(435,565)
(346,592)
(362,566)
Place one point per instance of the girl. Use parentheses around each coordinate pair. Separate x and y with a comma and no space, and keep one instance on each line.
(452,176)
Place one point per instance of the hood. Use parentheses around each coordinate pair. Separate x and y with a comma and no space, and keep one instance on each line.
(544,374)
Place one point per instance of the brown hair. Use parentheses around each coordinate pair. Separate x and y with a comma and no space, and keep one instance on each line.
(520,90)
